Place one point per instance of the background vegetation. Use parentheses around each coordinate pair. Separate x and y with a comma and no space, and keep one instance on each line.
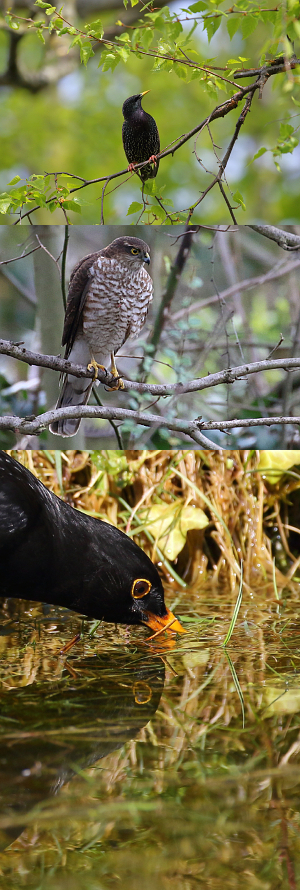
(194,797)
(58,115)
(232,301)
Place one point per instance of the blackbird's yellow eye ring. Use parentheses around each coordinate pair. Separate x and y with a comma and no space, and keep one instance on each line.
(140,588)
(134,250)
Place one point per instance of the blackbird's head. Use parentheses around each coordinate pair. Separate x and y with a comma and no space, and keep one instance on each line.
(52,553)
(130,590)
(132,105)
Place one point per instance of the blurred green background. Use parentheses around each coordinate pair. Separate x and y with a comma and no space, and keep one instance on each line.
(75,125)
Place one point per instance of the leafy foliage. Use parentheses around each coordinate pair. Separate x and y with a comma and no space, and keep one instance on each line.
(166,45)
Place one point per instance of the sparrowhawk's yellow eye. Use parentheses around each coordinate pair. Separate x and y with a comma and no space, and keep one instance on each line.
(134,250)
(140,588)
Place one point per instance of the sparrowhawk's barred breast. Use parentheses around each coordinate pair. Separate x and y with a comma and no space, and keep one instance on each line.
(108,300)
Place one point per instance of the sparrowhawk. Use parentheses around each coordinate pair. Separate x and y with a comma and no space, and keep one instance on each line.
(108,300)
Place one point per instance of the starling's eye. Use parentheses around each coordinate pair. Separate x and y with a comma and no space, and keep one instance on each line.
(134,250)
(140,588)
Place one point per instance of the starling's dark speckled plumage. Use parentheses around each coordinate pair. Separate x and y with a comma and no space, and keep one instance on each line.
(140,136)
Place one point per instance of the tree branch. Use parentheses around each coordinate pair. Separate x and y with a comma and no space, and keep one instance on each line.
(171,286)
(219,111)
(284,268)
(286,240)
(34,425)
(229,375)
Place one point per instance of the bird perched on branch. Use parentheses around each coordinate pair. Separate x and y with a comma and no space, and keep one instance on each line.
(140,137)
(108,300)
(52,553)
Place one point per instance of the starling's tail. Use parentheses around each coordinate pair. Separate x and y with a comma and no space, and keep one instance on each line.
(75,391)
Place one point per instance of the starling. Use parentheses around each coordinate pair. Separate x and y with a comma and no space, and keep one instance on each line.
(140,137)
(52,553)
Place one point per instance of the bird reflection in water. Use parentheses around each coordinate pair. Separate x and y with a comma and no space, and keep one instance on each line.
(58,726)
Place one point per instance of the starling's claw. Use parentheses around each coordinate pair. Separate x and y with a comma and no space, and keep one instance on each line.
(94,364)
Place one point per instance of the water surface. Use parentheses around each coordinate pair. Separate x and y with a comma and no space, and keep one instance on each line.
(126,763)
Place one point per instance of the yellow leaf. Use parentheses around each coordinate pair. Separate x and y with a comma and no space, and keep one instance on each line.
(275,463)
(170,523)
(279,700)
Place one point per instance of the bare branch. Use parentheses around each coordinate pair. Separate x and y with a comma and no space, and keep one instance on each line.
(229,375)
(284,268)
(34,425)
(284,239)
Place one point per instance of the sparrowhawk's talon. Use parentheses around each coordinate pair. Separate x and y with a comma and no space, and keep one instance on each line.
(94,365)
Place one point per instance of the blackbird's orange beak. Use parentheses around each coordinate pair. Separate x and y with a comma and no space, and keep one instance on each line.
(167,622)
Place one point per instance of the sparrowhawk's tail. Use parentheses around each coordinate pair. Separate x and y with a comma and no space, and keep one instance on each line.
(75,391)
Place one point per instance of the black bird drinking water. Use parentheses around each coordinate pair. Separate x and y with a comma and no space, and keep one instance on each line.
(140,137)
(51,552)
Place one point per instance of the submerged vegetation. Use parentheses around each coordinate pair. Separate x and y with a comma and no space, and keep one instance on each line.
(171,789)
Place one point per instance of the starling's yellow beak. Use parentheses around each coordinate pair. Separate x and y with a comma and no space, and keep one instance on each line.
(168,622)
(144,93)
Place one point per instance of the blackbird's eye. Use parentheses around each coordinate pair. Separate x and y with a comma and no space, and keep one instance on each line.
(142,693)
(134,250)
(140,588)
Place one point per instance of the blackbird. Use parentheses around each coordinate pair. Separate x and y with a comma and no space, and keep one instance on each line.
(140,137)
(51,552)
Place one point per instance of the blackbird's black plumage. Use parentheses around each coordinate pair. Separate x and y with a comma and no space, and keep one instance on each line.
(140,136)
(51,552)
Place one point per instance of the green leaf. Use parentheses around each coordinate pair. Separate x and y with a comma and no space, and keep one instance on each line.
(96,29)
(232,25)
(50,10)
(124,53)
(261,151)
(211,26)
(199,6)
(86,52)
(73,205)
(111,60)
(249,24)
(148,36)
(14,180)
(158,210)
(77,41)
(285,130)
(12,24)
(150,187)
(134,208)
(239,200)
(41,4)
(5,203)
